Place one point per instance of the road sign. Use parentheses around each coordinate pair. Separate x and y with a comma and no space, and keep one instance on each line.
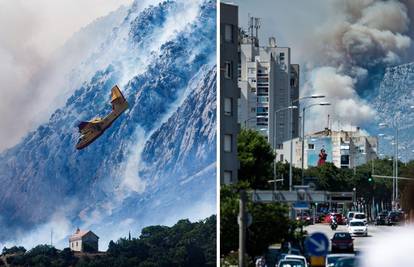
(301,205)
(317,244)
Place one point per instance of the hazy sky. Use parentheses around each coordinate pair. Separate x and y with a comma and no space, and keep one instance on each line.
(290,21)
(338,44)
(30,32)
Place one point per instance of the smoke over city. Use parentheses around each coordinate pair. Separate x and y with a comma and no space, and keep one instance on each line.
(360,41)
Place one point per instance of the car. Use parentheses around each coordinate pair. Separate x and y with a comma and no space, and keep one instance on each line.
(360,216)
(305,218)
(394,218)
(297,257)
(357,227)
(331,259)
(349,216)
(347,262)
(381,218)
(342,242)
(290,263)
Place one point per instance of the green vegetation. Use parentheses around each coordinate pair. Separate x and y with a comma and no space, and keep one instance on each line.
(183,245)
(270,222)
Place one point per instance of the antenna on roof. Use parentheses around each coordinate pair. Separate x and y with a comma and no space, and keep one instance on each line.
(51,237)
(257,25)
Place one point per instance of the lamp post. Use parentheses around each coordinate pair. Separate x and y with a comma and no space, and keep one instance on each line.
(291,137)
(275,145)
(395,127)
(303,134)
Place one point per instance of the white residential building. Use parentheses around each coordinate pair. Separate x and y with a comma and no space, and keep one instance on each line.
(84,241)
(268,82)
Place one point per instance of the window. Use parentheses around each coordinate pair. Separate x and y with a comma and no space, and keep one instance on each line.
(228,139)
(228,70)
(227,177)
(281,157)
(228,33)
(282,56)
(311,146)
(228,104)
(253,90)
(253,110)
(76,243)
(251,71)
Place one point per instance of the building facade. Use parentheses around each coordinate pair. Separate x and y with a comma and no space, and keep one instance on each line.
(229,93)
(269,83)
(345,149)
(84,241)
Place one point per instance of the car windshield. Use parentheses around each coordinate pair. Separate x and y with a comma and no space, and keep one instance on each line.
(346,262)
(288,257)
(342,236)
(360,216)
(331,260)
(291,263)
(357,224)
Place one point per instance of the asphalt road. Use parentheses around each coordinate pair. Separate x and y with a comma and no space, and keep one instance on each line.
(360,243)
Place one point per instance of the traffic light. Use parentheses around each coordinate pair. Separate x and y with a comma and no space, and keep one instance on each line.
(370,179)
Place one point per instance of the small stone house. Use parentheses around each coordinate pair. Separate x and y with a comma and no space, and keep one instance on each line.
(84,241)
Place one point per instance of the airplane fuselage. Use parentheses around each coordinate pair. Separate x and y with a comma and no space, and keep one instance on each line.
(96,128)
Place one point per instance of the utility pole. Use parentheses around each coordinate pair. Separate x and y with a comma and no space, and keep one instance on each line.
(242,228)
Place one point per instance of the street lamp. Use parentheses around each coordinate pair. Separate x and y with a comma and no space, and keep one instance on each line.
(395,162)
(275,181)
(303,133)
(275,145)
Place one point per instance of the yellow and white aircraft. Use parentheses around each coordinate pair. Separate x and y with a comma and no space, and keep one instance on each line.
(91,130)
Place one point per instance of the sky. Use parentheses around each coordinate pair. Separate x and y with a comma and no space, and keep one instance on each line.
(339,45)
(30,33)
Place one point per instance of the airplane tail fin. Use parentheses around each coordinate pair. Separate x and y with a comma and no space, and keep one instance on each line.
(117,98)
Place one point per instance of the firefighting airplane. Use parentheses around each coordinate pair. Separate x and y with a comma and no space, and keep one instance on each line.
(91,130)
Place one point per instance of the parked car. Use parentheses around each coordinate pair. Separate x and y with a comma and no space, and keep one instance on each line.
(331,259)
(395,218)
(342,242)
(290,263)
(357,227)
(381,218)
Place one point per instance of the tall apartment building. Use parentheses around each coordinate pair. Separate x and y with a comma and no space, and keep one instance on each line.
(268,83)
(229,93)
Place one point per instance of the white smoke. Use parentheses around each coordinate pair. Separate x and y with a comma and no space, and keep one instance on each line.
(363,35)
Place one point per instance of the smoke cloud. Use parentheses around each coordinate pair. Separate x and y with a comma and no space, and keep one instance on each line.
(362,37)
(31,32)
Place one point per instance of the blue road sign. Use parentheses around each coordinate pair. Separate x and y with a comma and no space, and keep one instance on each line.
(301,205)
(317,244)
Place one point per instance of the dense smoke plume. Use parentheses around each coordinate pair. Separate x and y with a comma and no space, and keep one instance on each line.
(361,41)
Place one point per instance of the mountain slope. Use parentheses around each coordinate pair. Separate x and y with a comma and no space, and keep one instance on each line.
(393,104)
(156,61)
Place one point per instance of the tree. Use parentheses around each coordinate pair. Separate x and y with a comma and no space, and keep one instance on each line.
(270,223)
(256,159)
